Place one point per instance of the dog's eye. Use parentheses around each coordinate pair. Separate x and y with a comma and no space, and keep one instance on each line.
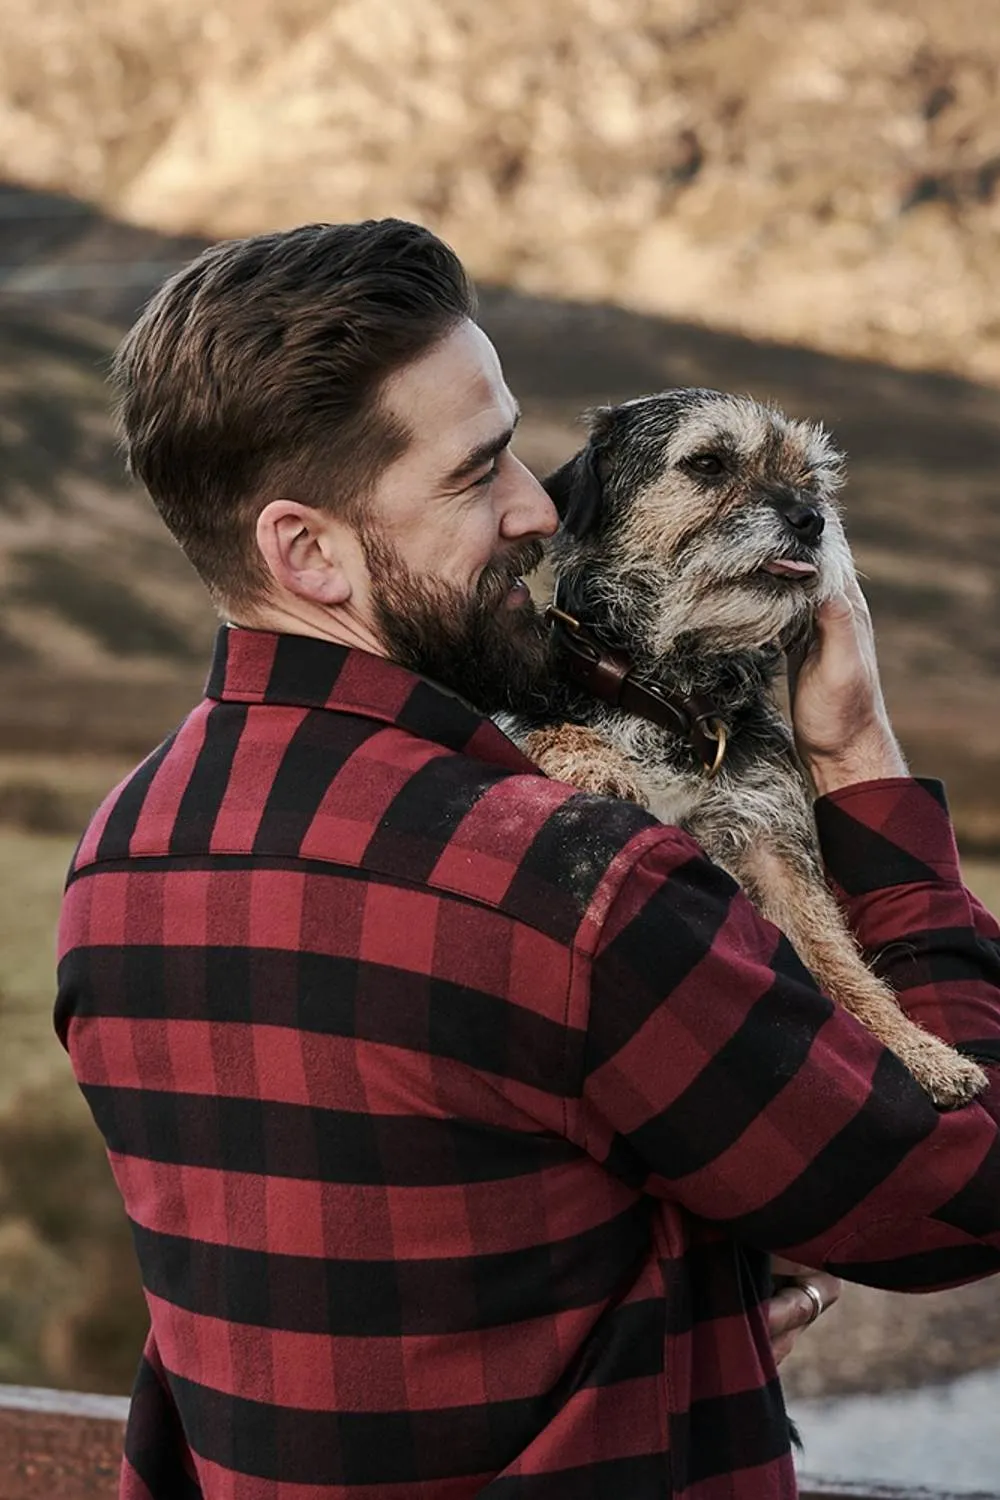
(709,464)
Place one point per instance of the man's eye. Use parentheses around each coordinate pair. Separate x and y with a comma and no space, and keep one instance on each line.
(709,464)
(488,477)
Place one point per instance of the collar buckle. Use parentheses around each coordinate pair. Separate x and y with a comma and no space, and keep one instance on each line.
(559,617)
(608,676)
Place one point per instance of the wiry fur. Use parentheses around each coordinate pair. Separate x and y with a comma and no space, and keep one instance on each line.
(669,572)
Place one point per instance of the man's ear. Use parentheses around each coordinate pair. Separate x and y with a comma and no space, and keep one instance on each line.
(308,553)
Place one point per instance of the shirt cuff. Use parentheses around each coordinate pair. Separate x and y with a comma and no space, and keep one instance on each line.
(878,834)
(890,853)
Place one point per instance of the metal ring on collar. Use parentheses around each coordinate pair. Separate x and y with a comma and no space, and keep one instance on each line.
(721,738)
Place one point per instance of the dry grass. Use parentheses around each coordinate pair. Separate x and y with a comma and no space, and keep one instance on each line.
(983,877)
(32,871)
(70,1308)
(791,170)
(106,645)
(823,171)
(55,794)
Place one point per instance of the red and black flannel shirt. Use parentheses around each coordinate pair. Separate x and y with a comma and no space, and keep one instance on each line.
(455,1111)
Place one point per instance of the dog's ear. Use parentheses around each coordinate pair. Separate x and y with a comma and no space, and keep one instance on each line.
(576,491)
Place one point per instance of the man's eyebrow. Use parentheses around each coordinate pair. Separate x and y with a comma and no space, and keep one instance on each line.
(483,453)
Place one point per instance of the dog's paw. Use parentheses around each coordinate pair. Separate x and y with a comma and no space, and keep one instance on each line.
(569,752)
(949,1078)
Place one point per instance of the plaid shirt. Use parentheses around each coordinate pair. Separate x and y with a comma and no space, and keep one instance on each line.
(455,1111)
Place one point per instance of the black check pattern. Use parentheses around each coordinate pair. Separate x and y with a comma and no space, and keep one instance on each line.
(456,1112)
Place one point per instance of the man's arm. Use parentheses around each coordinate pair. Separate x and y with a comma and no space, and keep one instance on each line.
(845,741)
(719,1075)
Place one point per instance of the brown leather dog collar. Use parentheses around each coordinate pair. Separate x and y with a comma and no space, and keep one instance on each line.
(608,676)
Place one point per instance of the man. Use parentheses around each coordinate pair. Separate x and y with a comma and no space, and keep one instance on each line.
(457,1113)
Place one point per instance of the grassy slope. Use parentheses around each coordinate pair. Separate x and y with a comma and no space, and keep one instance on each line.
(983,877)
(822,170)
(32,869)
(95,592)
(104,630)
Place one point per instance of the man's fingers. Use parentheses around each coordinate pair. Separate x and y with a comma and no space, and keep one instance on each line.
(836,624)
(792,1309)
(839,607)
(788,1310)
(783,1346)
(855,594)
(833,630)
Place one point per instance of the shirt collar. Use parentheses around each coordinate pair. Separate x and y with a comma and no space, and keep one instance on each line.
(262,666)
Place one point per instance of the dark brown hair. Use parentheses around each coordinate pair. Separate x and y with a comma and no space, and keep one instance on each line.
(256,371)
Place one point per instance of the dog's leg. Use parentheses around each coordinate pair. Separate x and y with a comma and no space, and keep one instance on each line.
(569,752)
(794,896)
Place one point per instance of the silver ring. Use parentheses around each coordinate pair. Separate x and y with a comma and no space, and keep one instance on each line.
(815,1297)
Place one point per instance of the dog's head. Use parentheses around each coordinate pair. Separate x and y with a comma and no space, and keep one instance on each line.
(697,512)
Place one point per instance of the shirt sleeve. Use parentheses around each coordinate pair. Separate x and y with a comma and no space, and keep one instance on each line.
(718,1075)
(890,854)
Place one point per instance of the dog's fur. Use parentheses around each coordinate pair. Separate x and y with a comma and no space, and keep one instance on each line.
(667,567)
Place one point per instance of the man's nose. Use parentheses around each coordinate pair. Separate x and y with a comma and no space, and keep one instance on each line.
(803,519)
(528,510)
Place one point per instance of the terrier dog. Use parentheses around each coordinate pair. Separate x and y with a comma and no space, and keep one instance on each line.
(699,532)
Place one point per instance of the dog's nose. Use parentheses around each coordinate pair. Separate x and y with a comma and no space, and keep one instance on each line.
(802,519)
(806,521)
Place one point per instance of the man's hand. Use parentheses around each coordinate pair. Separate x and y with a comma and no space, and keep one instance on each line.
(791,1310)
(842,729)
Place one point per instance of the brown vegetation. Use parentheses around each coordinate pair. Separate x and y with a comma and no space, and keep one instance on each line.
(824,173)
(821,171)
(71,1307)
(103,642)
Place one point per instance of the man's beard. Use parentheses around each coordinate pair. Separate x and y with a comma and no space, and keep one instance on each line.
(493,656)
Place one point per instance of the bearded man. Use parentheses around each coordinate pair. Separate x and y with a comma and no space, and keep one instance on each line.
(457,1114)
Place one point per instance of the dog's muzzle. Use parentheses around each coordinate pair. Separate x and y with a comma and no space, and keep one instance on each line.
(802,519)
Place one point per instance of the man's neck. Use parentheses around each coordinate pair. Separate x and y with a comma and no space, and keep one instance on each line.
(291,622)
(341,626)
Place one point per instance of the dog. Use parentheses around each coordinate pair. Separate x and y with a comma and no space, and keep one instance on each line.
(699,531)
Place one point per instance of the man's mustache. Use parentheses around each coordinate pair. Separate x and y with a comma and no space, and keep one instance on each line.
(498,577)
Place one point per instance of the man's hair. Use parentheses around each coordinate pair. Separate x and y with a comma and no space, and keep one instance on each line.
(256,372)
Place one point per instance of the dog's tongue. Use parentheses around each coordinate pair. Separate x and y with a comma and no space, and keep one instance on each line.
(785,568)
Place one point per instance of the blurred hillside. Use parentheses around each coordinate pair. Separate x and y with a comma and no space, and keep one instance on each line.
(796,198)
(825,172)
(104,637)
(100,614)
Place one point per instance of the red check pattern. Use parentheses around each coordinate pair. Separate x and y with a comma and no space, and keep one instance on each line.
(455,1112)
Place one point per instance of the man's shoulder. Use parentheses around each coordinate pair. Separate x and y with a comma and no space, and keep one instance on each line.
(536,849)
(335,789)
